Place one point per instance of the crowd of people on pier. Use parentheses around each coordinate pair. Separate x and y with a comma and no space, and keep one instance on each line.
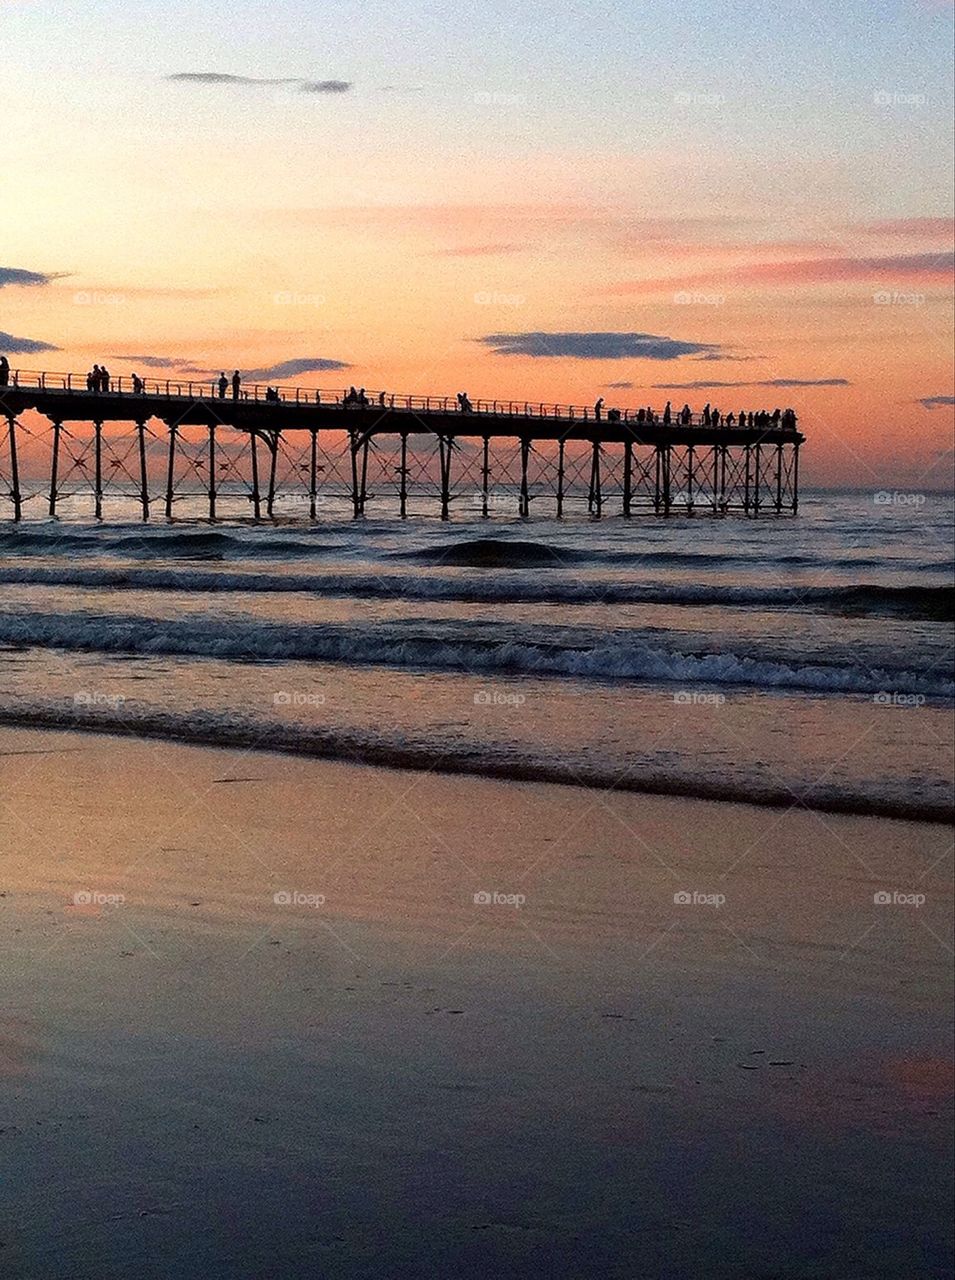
(710,417)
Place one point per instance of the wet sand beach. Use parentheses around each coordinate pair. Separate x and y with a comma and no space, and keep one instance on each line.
(267,1016)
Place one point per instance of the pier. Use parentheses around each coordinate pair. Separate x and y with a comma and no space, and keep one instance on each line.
(291,449)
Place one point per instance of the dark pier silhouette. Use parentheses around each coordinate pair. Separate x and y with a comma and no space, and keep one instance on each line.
(162,441)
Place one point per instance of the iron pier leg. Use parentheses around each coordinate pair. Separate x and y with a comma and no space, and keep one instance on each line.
(364,473)
(254,458)
(444,451)
(525,504)
(779,479)
(690,465)
(795,478)
(756,487)
(722,450)
(355,495)
(627,477)
(403,483)
(14,469)
(485,475)
(313,476)
(273,463)
(98,473)
(657,478)
(596,499)
(746,486)
(212,473)
(667,494)
(143,475)
(55,466)
(170,468)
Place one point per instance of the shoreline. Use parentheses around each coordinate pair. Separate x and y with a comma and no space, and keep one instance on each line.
(383,756)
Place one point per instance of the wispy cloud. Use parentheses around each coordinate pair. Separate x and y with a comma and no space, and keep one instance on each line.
(12,345)
(17,276)
(768,382)
(292,368)
(937,267)
(937,402)
(594,346)
(929,228)
(223,78)
(617,386)
(154,362)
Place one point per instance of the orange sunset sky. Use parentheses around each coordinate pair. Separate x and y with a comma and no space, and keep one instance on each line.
(719,203)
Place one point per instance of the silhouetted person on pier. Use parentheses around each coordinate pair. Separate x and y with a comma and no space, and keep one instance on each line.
(236,384)
(104,378)
(730,419)
(613,415)
(641,416)
(223,385)
(686,415)
(350,398)
(464,402)
(4,371)
(777,414)
(381,400)
(138,385)
(598,408)
(667,414)
(706,414)
(749,419)
(715,418)
(363,399)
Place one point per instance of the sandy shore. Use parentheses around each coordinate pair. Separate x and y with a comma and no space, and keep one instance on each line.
(275,1017)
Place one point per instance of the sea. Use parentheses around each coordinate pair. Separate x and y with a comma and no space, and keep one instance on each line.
(800,661)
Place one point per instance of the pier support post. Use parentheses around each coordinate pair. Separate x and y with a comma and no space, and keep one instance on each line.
(14,468)
(98,469)
(657,479)
(722,488)
(254,459)
(313,475)
(355,495)
(403,477)
(747,479)
(560,479)
(170,469)
(595,502)
(667,495)
(273,444)
(627,477)
(485,474)
(778,504)
(756,486)
(365,445)
(212,473)
(795,480)
(525,503)
(690,467)
(444,452)
(143,474)
(55,466)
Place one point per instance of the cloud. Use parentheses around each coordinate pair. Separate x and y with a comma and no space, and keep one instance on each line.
(593,346)
(23,346)
(943,228)
(292,368)
(326,86)
(219,77)
(617,386)
(937,402)
(769,382)
(16,276)
(153,362)
(910,266)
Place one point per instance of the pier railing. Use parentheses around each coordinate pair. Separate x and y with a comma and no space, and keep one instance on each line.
(291,397)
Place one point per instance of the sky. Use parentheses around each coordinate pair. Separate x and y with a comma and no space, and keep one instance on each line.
(739,203)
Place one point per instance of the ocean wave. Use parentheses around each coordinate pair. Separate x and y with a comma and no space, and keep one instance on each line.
(875,600)
(656,775)
(453,647)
